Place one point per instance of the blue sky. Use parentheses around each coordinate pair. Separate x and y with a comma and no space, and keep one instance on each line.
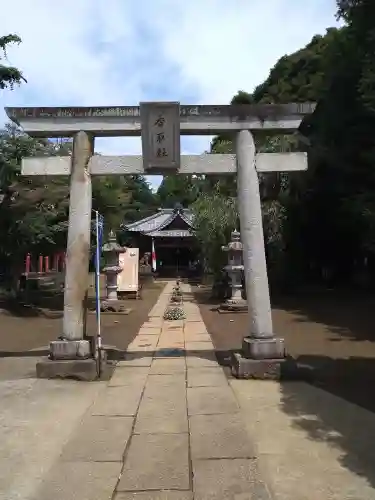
(120,52)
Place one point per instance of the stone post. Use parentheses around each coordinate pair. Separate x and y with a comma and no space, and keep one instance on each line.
(260,343)
(71,355)
(79,232)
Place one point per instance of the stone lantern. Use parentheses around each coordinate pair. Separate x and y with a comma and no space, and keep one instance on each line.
(111,251)
(234,268)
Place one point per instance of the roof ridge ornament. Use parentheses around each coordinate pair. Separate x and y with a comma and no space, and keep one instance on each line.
(178,208)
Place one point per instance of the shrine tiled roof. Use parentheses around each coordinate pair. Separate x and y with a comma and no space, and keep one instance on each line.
(157,224)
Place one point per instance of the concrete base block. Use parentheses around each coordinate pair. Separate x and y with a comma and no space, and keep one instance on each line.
(112,306)
(263,369)
(79,369)
(70,349)
(233,306)
(273,348)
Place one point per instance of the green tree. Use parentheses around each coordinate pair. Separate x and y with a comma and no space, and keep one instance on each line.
(9,75)
(215,217)
(183,189)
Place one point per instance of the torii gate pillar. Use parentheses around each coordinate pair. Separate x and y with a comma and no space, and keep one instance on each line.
(262,352)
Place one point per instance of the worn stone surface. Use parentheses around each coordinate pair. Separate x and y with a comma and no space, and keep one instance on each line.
(192,347)
(228,480)
(206,377)
(211,400)
(99,439)
(80,481)
(37,418)
(118,401)
(168,366)
(135,359)
(267,369)
(131,376)
(79,234)
(197,337)
(263,348)
(207,360)
(156,462)
(70,349)
(167,421)
(80,369)
(311,444)
(219,436)
(156,495)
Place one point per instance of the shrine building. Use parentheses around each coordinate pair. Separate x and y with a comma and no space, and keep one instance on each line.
(170,232)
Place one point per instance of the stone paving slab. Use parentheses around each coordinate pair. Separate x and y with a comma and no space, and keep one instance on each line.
(206,377)
(206,361)
(165,422)
(172,344)
(156,495)
(311,444)
(168,366)
(118,401)
(219,436)
(199,346)
(99,439)
(134,359)
(162,405)
(162,386)
(143,342)
(197,337)
(228,480)
(149,330)
(170,352)
(132,376)
(80,481)
(168,338)
(195,328)
(156,462)
(211,400)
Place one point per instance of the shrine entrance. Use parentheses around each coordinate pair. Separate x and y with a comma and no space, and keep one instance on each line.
(176,258)
(160,125)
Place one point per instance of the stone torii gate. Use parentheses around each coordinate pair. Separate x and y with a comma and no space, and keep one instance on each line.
(160,125)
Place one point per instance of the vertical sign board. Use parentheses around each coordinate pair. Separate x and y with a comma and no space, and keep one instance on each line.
(127,279)
(160,122)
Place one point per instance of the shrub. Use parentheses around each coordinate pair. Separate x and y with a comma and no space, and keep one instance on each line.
(174,313)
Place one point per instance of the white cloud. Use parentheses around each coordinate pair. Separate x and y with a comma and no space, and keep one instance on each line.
(90,52)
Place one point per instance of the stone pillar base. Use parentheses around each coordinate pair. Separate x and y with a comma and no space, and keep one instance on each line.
(70,349)
(263,369)
(273,348)
(79,369)
(233,306)
(259,359)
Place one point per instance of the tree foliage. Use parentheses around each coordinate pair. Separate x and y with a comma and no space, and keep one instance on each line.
(9,75)
(215,217)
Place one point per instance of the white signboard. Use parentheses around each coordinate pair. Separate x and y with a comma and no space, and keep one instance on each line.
(127,279)
(160,122)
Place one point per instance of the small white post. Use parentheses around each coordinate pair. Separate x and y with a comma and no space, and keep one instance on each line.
(97,287)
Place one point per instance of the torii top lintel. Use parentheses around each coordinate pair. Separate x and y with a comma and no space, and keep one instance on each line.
(125,120)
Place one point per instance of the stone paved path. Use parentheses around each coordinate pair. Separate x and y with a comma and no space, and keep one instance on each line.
(167,426)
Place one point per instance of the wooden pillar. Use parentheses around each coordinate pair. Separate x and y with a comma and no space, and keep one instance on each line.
(28,264)
(40,264)
(78,247)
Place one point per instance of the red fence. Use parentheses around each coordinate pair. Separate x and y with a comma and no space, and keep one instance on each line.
(45,263)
